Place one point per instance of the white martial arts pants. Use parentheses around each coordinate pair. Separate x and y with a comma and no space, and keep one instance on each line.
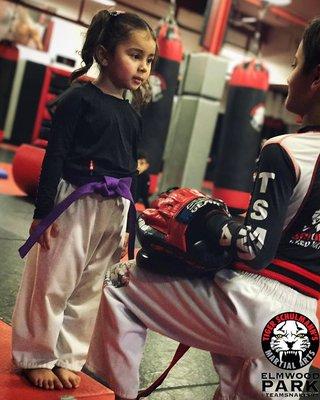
(59,296)
(224,316)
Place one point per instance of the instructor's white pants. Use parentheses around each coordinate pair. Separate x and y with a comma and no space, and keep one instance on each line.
(225,316)
(59,296)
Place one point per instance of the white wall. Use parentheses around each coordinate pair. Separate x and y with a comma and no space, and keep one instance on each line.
(66,40)
(276,53)
(67,37)
(279,51)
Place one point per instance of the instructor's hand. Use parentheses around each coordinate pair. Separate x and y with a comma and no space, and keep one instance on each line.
(44,239)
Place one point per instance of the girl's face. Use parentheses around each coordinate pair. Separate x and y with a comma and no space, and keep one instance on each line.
(130,65)
(300,96)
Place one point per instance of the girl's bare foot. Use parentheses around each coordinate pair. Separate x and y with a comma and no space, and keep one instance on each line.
(43,378)
(68,378)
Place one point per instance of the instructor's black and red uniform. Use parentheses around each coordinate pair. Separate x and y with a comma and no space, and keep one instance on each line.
(280,237)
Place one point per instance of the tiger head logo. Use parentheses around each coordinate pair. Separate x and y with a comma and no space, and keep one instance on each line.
(257,117)
(316,221)
(290,340)
(158,86)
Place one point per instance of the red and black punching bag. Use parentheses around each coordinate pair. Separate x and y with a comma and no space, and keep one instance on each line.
(26,168)
(9,54)
(163,81)
(241,135)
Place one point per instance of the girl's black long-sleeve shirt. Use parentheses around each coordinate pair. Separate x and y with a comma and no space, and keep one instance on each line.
(93,134)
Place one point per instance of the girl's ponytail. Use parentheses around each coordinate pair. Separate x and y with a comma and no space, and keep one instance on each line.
(93,36)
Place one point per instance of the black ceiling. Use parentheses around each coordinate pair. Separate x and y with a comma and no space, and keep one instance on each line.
(197,6)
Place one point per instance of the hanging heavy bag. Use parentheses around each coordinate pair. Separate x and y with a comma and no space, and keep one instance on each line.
(163,81)
(173,235)
(9,55)
(240,137)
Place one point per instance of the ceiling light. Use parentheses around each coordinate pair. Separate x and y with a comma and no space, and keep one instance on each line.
(280,3)
(106,2)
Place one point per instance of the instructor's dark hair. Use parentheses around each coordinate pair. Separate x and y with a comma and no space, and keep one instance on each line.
(311,45)
(109,29)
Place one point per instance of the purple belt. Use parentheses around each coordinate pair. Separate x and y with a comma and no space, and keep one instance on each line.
(109,187)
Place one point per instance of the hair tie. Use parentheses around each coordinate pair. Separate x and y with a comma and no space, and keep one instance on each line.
(115,13)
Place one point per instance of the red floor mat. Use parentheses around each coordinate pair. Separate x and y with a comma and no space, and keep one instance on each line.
(15,387)
(8,186)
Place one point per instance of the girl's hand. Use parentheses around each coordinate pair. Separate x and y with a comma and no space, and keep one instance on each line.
(44,239)
(124,250)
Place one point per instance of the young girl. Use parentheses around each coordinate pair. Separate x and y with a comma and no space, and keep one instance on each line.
(272,286)
(93,146)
